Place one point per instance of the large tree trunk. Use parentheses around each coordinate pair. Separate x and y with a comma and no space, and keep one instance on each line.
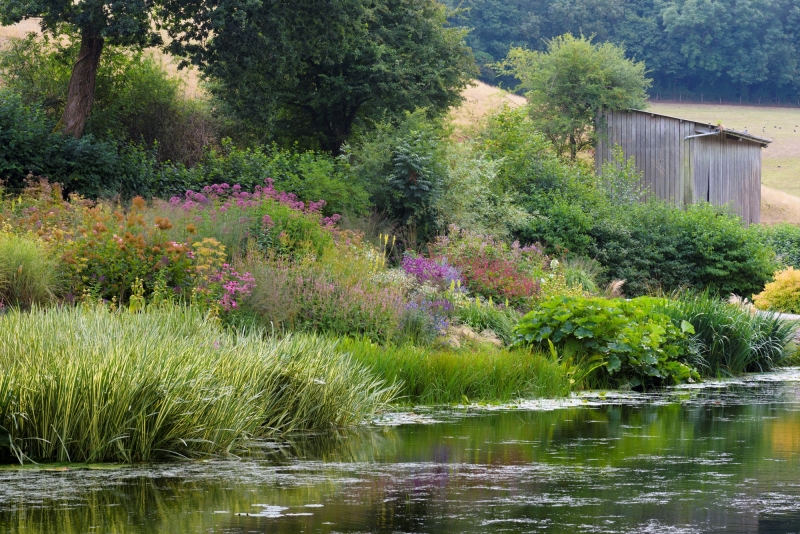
(80,96)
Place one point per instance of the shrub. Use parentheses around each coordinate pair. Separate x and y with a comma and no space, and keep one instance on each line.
(656,245)
(93,167)
(731,340)
(630,340)
(782,294)
(85,385)
(471,198)
(309,175)
(404,169)
(785,240)
(29,273)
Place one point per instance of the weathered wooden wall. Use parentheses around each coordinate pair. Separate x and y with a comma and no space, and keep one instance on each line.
(717,168)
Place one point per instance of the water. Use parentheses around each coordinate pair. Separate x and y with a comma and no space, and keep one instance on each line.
(717,458)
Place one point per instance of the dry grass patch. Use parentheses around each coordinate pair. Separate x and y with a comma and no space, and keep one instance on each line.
(480,101)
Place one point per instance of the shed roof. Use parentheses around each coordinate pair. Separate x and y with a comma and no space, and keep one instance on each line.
(733,133)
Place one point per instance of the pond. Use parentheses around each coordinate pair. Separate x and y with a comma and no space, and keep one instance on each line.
(717,457)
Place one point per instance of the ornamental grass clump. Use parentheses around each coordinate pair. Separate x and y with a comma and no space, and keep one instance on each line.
(29,273)
(85,384)
(444,375)
(731,339)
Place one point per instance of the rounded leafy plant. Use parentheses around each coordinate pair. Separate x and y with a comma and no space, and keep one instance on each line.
(632,342)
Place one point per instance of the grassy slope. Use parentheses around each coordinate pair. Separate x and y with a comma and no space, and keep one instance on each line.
(480,101)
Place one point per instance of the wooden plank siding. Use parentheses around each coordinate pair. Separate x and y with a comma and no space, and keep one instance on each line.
(722,169)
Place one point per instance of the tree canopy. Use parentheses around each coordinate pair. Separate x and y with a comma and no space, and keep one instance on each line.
(571,82)
(311,70)
(728,49)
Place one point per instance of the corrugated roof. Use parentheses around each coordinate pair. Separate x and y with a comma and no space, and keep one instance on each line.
(733,133)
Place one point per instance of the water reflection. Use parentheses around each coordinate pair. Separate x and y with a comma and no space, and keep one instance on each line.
(691,460)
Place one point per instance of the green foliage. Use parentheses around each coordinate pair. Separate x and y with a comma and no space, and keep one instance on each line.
(484,316)
(564,200)
(782,294)
(571,82)
(656,245)
(630,340)
(690,47)
(471,198)
(440,376)
(784,238)
(91,166)
(88,385)
(135,97)
(732,340)
(29,273)
(311,71)
(404,167)
(621,180)
(287,232)
(25,141)
(310,175)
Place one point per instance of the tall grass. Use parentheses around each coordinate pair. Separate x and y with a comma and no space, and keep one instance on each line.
(28,272)
(442,376)
(732,339)
(87,385)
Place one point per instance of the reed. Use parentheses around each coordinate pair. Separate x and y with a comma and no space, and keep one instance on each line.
(88,385)
(480,373)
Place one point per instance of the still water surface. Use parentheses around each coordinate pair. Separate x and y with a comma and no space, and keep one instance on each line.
(723,457)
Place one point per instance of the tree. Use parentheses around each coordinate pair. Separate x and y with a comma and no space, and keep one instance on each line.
(571,82)
(314,69)
(99,22)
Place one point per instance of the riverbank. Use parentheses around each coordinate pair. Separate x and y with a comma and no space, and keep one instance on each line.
(696,458)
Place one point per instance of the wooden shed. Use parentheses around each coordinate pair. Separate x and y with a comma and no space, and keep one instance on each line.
(685,161)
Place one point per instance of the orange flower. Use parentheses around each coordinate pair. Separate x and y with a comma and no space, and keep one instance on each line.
(163,223)
(138,202)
